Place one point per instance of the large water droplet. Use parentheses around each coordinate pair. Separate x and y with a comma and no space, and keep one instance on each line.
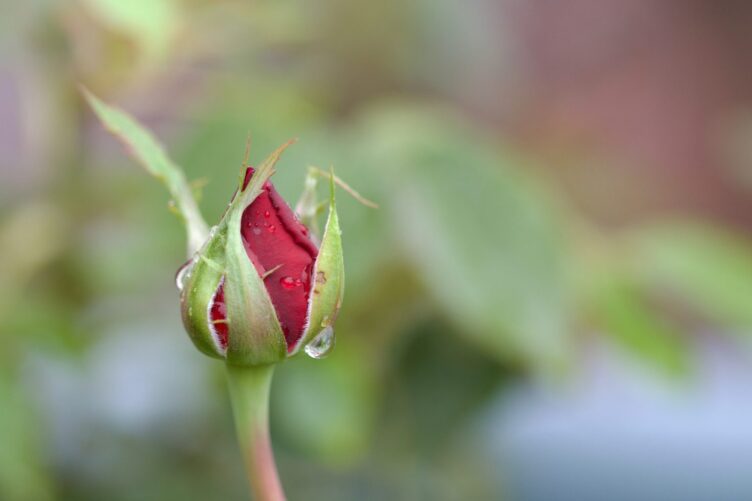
(183,274)
(322,345)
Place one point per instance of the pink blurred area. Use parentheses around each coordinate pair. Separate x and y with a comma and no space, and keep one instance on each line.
(636,103)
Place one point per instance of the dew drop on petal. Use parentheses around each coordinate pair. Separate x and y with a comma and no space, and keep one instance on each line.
(288,282)
(267,214)
(322,344)
(256,231)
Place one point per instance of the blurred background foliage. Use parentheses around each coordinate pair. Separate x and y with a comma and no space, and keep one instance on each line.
(549,185)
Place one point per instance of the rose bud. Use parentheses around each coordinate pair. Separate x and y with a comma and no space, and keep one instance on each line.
(260,288)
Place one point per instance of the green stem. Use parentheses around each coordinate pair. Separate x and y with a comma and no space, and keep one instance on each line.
(249,392)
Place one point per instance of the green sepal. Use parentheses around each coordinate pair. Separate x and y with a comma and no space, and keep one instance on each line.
(145,148)
(199,286)
(328,277)
(256,337)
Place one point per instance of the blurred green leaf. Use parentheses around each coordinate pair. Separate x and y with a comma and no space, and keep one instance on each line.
(22,474)
(481,235)
(709,269)
(325,407)
(434,365)
(151,24)
(625,315)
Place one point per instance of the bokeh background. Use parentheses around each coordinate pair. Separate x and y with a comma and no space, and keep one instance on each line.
(554,301)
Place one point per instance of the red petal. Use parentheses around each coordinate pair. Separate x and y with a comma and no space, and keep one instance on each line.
(218,316)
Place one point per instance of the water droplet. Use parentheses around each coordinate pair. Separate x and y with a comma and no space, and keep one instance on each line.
(272,228)
(267,214)
(183,274)
(288,282)
(256,231)
(322,344)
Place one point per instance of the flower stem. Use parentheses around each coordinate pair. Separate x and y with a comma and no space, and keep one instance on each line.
(249,392)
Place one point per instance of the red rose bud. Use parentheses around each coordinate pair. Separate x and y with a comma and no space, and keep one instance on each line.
(259,288)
